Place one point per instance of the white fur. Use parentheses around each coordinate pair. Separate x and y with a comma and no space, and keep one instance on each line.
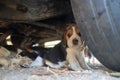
(57,66)
(72,60)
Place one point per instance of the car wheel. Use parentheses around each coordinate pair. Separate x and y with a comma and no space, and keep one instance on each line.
(99,23)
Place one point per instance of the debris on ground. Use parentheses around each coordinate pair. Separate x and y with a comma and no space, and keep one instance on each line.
(46,73)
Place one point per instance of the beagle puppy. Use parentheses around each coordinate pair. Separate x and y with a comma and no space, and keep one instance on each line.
(76,48)
(71,50)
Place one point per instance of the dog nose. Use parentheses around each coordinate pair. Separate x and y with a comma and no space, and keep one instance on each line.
(75,41)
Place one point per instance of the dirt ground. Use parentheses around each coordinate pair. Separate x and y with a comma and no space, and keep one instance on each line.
(46,73)
(97,72)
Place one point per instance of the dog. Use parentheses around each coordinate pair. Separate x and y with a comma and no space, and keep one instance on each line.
(71,50)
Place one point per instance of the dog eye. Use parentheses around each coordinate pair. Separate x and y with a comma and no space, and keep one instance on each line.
(69,35)
(79,34)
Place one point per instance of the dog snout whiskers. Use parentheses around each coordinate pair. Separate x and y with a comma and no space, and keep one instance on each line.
(75,41)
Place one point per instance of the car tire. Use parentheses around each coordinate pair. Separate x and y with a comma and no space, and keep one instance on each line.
(99,23)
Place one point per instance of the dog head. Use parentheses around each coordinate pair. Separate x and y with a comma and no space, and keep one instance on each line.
(72,37)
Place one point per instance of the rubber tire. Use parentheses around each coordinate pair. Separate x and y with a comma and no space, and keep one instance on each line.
(99,22)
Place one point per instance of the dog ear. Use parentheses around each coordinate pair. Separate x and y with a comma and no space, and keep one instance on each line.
(64,41)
